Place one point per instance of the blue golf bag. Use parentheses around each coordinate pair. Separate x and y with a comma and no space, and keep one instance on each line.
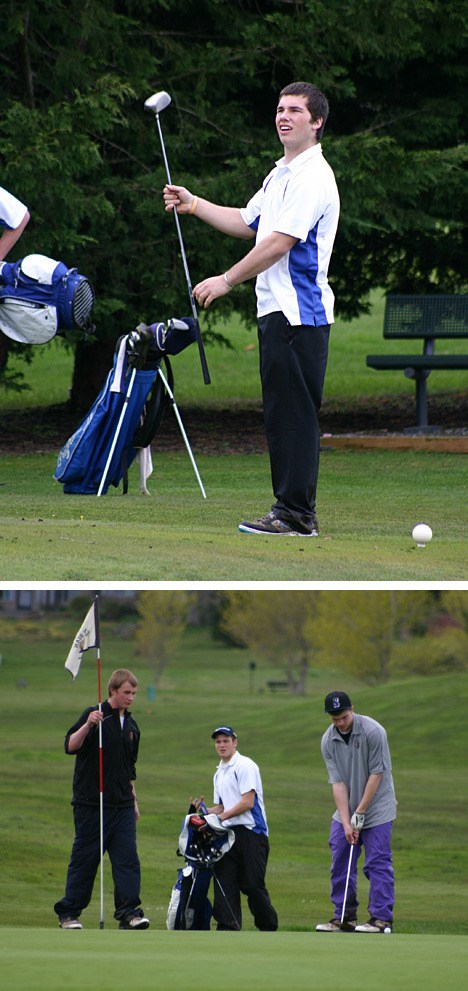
(203,841)
(40,297)
(125,416)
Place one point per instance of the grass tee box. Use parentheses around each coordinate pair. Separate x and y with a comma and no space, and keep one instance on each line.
(429,318)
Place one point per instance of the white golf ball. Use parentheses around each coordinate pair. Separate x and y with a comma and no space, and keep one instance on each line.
(422,534)
(387,930)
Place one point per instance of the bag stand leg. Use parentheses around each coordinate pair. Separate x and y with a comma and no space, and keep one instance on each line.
(184,435)
(117,432)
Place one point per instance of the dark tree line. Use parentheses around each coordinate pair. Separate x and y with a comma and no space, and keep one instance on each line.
(78,148)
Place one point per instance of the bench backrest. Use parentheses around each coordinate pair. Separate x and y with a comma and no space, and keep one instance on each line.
(426,316)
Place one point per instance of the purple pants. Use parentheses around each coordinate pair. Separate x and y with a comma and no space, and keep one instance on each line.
(378,869)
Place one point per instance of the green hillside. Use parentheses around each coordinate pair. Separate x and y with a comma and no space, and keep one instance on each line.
(205,684)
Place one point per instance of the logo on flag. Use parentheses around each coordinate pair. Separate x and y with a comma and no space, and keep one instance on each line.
(87,637)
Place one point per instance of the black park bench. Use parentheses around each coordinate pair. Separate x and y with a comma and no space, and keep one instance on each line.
(430,318)
(278,686)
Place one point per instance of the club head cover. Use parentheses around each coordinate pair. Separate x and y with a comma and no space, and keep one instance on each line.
(198,823)
(180,334)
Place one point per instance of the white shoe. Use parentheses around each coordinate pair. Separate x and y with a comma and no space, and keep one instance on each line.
(333,926)
(374,926)
(136,922)
(70,924)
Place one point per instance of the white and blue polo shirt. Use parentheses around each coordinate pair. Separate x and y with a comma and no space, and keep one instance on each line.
(234,779)
(300,199)
(12,211)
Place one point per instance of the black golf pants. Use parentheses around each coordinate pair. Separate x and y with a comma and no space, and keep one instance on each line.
(293,362)
(120,843)
(243,870)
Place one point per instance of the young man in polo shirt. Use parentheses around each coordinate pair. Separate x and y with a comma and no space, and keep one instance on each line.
(357,757)
(14,216)
(294,217)
(238,801)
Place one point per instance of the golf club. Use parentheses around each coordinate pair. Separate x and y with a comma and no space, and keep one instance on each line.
(157,103)
(347,882)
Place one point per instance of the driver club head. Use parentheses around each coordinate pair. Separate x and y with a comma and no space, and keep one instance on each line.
(158,101)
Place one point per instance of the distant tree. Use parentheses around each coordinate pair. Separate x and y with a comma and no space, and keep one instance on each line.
(455,603)
(163,619)
(357,630)
(274,625)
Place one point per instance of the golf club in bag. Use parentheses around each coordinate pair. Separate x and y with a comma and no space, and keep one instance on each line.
(156,104)
(127,413)
(41,297)
(203,842)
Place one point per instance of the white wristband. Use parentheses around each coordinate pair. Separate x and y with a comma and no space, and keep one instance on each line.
(229,283)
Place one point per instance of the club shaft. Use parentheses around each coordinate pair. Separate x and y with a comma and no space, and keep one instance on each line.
(347,883)
(206,374)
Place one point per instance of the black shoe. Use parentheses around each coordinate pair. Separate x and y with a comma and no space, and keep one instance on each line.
(270,524)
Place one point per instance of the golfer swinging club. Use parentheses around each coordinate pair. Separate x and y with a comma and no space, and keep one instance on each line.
(294,217)
(357,757)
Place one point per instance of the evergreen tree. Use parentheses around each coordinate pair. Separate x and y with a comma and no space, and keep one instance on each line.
(79,149)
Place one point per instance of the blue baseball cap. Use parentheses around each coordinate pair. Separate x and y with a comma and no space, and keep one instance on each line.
(226,730)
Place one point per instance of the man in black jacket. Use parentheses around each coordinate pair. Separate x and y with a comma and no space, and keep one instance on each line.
(120,742)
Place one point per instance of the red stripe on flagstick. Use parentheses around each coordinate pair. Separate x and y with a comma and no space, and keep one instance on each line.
(101,773)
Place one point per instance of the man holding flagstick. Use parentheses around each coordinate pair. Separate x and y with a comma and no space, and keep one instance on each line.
(105,741)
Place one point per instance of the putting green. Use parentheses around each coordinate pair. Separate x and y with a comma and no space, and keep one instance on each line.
(51,960)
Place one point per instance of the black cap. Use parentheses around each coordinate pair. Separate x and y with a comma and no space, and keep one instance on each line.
(337,702)
(226,730)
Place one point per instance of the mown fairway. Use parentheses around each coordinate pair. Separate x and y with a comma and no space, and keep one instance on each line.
(206,683)
(40,960)
(368,504)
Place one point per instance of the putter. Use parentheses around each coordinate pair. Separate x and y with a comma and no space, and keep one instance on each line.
(157,103)
(347,882)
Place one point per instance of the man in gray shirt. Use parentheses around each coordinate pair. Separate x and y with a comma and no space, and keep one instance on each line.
(357,757)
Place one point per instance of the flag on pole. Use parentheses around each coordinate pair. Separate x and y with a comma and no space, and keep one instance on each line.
(87,637)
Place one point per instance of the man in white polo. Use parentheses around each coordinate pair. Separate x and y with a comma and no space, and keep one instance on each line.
(293,217)
(238,801)
(14,216)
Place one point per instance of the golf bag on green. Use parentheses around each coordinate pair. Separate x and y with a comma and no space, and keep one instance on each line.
(126,414)
(203,841)
(40,297)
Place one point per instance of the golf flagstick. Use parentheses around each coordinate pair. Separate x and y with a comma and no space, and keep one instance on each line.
(184,435)
(347,882)
(156,103)
(101,771)
(88,637)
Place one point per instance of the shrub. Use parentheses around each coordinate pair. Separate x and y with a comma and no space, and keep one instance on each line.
(432,654)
